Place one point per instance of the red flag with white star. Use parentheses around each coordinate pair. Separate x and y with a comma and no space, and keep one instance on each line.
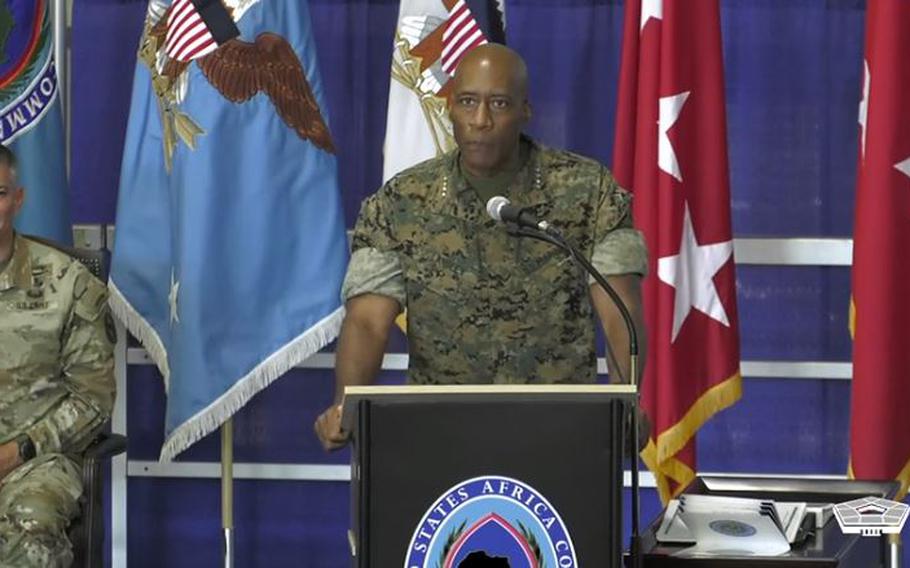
(880,424)
(671,153)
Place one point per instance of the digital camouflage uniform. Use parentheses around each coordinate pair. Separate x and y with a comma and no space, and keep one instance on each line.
(483,306)
(56,386)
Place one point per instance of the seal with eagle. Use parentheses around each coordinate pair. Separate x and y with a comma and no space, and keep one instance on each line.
(205,32)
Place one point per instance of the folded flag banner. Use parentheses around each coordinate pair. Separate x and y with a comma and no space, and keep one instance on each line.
(230,247)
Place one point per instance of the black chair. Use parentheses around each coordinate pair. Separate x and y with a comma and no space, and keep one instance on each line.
(86,532)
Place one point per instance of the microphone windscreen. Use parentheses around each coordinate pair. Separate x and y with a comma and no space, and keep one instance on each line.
(495,205)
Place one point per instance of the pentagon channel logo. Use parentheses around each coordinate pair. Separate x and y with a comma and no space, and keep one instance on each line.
(732,528)
(491,521)
(871,516)
(28,78)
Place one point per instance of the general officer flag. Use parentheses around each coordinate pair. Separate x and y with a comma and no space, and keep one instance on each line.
(880,422)
(671,151)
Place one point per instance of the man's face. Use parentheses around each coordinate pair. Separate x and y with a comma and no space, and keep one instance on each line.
(488,110)
(11,196)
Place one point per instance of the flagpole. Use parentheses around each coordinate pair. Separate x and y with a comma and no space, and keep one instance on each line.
(58,18)
(894,550)
(61,62)
(227,490)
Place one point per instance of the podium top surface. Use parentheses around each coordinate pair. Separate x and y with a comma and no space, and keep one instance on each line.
(793,489)
(478,393)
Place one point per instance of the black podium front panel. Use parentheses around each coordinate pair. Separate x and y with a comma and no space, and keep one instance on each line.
(538,483)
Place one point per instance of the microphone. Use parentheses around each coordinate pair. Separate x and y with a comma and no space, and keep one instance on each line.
(525,224)
(502,210)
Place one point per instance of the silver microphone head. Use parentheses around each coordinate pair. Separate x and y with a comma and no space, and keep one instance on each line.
(495,205)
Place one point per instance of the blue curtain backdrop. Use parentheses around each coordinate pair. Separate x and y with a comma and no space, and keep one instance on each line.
(793,74)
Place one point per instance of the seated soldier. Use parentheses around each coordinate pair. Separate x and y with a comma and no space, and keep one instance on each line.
(56,385)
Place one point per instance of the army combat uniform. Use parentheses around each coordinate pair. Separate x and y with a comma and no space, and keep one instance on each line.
(56,387)
(483,306)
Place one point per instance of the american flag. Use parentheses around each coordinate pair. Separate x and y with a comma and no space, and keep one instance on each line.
(462,34)
(188,36)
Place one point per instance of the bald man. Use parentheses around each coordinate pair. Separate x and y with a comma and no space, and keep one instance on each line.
(483,306)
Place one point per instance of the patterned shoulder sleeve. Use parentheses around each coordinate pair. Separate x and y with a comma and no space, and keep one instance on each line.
(372,271)
(375,226)
(374,267)
(619,248)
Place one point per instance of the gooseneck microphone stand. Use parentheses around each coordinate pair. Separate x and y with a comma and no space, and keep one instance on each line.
(550,235)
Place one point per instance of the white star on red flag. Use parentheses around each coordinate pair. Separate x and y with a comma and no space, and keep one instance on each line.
(864,108)
(691,272)
(670,107)
(651,9)
(903,167)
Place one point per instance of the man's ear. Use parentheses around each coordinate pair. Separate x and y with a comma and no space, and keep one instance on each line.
(527,111)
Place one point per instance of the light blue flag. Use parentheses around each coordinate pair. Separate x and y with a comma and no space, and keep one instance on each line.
(230,246)
(30,117)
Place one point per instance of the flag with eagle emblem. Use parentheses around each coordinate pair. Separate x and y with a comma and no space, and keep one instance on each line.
(230,247)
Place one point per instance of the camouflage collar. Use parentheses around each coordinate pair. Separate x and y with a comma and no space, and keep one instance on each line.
(18,272)
(530,175)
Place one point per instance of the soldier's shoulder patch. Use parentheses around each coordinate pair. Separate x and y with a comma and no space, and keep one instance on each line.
(80,286)
(89,295)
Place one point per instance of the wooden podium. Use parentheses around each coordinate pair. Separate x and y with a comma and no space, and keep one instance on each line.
(445,475)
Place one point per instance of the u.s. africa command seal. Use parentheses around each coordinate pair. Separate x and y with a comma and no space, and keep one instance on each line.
(28,77)
(491,521)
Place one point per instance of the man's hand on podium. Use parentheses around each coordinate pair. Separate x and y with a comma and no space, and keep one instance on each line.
(328,429)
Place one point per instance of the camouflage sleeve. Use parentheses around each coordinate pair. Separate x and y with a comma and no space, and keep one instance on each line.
(374,228)
(619,248)
(374,267)
(87,363)
(371,271)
